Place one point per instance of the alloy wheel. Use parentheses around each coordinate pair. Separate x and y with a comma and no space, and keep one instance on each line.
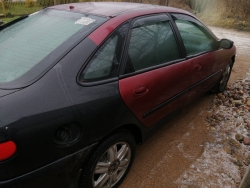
(112,165)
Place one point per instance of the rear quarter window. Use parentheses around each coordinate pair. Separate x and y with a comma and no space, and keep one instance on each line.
(106,61)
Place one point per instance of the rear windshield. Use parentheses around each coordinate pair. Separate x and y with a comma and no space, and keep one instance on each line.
(31,46)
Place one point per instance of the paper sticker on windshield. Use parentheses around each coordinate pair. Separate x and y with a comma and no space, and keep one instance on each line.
(85,21)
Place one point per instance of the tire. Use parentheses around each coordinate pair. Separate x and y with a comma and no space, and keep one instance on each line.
(222,83)
(110,163)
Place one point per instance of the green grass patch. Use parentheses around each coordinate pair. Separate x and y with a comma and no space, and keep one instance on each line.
(16,9)
(6,20)
(21,8)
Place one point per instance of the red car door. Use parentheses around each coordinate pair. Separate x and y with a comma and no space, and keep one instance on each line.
(200,48)
(155,82)
(203,76)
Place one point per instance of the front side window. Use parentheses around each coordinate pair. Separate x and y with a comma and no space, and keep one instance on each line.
(195,37)
(105,62)
(152,43)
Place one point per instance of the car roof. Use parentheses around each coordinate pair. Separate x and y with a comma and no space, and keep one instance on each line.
(112,9)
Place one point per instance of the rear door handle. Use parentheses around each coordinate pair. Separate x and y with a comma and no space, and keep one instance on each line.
(140,91)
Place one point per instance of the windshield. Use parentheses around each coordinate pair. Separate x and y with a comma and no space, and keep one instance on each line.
(31,46)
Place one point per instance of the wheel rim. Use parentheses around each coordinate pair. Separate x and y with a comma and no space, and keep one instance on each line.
(225,78)
(112,165)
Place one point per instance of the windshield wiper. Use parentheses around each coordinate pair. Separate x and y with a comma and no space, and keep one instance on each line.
(12,22)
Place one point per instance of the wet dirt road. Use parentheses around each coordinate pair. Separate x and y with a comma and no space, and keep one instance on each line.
(162,160)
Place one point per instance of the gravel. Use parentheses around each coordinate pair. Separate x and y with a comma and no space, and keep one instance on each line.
(226,158)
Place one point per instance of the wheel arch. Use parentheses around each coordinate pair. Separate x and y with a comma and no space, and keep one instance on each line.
(233,59)
(134,130)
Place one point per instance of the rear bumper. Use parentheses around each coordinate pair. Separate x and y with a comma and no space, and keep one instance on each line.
(61,173)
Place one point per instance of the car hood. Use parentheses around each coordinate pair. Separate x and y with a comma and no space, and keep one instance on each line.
(4,92)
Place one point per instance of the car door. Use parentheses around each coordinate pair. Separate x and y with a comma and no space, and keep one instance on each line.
(200,46)
(155,80)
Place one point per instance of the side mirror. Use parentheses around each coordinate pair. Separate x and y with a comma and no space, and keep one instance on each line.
(226,44)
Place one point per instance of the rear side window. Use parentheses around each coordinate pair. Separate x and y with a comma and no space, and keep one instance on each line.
(196,38)
(105,62)
(31,45)
(152,43)
(101,64)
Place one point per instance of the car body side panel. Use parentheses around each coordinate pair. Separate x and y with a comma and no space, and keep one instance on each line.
(211,65)
(53,101)
(7,92)
(223,57)
(98,108)
(31,116)
(58,174)
(167,90)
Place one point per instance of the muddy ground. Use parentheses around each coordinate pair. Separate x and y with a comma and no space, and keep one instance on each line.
(180,152)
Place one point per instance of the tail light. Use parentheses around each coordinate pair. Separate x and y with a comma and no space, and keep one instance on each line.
(7,150)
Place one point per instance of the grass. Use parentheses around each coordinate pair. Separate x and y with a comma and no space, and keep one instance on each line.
(17,9)
(6,20)
(20,8)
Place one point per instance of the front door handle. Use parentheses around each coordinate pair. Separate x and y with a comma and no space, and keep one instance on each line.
(197,67)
